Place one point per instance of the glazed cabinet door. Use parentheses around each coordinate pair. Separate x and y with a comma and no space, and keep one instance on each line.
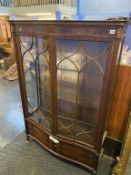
(82,68)
(36,66)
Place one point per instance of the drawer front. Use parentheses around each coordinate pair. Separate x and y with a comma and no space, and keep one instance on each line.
(38,133)
(63,148)
(80,155)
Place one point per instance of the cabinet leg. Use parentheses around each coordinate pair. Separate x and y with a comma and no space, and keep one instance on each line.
(93,173)
(28,139)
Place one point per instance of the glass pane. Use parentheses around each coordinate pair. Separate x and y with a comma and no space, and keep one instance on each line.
(80,71)
(37,78)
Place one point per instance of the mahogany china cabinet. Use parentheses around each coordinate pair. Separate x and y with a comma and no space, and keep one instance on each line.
(67,72)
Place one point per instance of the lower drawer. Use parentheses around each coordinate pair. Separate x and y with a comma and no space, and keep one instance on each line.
(39,134)
(80,155)
(64,148)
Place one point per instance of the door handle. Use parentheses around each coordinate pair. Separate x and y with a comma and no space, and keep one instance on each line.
(53,139)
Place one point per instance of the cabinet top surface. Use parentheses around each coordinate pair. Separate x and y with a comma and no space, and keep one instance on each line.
(71,22)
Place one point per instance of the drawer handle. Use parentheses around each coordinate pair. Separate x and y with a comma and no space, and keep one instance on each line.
(53,139)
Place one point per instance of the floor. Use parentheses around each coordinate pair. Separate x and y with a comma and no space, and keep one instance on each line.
(128,168)
(22,158)
(11,115)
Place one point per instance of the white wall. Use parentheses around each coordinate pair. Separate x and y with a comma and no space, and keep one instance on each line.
(104,8)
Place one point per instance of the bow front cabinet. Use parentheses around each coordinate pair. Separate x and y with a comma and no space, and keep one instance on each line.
(67,72)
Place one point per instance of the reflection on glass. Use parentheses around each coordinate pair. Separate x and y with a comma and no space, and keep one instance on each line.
(126,55)
(126,52)
(37,78)
(80,71)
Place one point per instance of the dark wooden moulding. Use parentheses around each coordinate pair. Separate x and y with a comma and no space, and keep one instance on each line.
(101,31)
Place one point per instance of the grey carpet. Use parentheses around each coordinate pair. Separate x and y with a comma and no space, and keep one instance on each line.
(21,158)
